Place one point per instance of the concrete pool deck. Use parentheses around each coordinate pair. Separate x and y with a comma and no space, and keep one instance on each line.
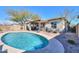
(14,50)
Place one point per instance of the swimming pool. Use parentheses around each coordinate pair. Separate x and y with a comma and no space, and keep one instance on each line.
(24,40)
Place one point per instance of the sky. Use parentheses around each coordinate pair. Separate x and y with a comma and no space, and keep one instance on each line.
(45,12)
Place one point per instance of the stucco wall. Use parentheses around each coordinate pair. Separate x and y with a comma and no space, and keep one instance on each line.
(60,25)
(4,28)
(77,30)
(10,27)
(15,27)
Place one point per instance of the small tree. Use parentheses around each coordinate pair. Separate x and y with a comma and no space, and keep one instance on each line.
(69,18)
(21,17)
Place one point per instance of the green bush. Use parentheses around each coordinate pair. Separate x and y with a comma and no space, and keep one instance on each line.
(71,42)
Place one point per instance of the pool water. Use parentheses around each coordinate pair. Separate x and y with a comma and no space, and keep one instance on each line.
(24,40)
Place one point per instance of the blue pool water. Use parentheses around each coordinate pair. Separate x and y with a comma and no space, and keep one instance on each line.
(24,41)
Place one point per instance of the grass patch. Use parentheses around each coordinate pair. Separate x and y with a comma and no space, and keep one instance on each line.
(71,42)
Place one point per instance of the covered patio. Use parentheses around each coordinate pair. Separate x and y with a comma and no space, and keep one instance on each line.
(36,25)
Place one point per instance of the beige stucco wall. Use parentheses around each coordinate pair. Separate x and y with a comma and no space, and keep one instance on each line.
(60,25)
(10,27)
(77,30)
(4,27)
(15,27)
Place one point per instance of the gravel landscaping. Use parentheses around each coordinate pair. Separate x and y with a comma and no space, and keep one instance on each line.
(69,47)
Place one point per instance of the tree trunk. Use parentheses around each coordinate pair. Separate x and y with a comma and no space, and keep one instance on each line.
(29,27)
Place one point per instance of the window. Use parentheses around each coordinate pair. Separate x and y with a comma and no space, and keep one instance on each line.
(54,24)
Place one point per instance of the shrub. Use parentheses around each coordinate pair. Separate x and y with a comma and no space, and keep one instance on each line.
(0,29)
(71,42)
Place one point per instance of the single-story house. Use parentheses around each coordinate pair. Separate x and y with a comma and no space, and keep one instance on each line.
(55,24)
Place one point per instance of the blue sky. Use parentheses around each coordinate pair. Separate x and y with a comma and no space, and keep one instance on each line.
(45,12)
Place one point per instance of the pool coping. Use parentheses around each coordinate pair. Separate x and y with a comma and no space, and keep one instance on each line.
(9,48)
(15,50)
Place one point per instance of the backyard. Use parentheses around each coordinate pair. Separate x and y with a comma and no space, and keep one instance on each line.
(24,31)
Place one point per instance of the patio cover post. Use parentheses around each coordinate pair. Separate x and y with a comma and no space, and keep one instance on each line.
(39,26)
